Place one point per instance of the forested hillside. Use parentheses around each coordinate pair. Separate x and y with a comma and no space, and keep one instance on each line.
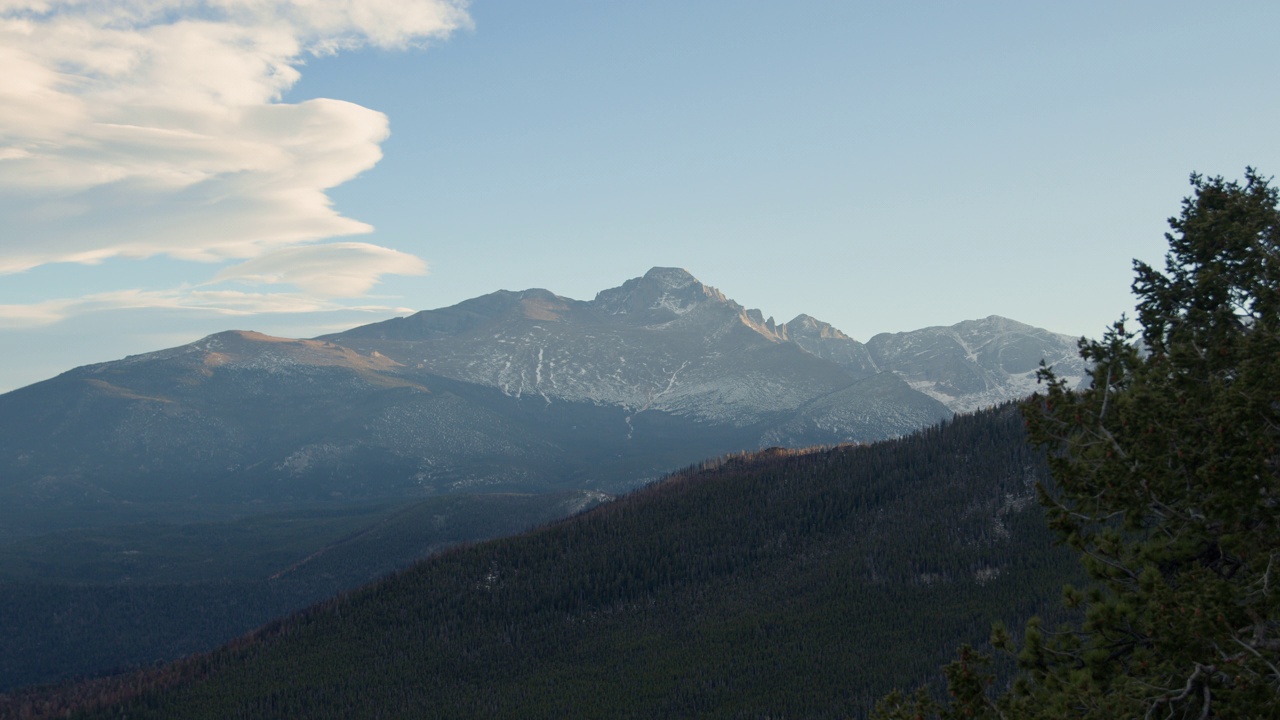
(782,584)
(101,600)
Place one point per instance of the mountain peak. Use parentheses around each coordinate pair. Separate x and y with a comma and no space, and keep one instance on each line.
(663,294)
(672,278)
(994,321)
(802,326)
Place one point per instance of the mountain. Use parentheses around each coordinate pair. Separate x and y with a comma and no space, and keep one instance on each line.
(778,584)
(966,366)
(241,422)
(663,342)
(512,391)
(977,363)
(667,342)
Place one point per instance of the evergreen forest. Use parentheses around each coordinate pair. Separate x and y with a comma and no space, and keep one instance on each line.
(101,600)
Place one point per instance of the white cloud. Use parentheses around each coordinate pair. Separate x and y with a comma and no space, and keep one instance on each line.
(335,270)
(136,128)
(35,314)
(209,302)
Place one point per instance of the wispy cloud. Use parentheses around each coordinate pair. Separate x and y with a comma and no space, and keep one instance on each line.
(209,302)
(138,128)
(335,270)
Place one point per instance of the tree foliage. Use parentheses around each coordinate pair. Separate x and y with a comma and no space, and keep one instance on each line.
(1165,479)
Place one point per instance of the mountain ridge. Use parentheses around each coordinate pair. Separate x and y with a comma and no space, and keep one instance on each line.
(668,306)
(511,391)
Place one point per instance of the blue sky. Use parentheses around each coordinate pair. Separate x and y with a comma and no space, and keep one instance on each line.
(171,169)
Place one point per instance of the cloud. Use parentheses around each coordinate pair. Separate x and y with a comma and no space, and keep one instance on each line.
(35,314)
(209,302)
(334,270)
(137,128)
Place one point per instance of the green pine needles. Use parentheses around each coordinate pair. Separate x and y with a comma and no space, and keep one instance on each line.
(1166,479)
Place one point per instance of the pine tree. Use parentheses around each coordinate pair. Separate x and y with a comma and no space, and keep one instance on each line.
(1166,478)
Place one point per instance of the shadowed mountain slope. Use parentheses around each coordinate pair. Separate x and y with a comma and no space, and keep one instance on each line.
(80,603)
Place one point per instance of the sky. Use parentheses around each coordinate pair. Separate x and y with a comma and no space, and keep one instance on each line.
(174,168)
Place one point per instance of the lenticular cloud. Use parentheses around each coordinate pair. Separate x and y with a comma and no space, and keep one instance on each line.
(345,269)
(149,127)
